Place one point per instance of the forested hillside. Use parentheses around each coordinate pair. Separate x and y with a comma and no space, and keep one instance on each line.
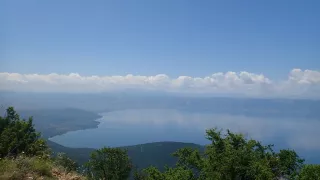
(158,154)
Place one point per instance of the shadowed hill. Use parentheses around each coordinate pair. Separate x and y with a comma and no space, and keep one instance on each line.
(157,154)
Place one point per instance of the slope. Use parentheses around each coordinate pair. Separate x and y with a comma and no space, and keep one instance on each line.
(157,154)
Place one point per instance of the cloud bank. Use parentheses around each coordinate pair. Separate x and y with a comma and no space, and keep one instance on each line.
(300,83)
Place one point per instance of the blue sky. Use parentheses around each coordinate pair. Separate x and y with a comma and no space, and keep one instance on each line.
(146,37)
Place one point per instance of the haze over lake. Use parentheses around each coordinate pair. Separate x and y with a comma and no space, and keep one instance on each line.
(136,126)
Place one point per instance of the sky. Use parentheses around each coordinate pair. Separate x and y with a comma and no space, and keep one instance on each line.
(207,46)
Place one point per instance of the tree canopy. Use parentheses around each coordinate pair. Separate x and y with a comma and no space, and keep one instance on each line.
(19,136)
(309,172)
(229,156)
(109,163)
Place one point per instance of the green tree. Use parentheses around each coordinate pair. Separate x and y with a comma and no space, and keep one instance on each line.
(19,136)
(289,164)
(109,164)
(153,173)
(310,172)
(229,156)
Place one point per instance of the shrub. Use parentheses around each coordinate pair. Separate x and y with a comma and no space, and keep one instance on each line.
(21,167)
(65,162)
(229,156)
(41,167)
(109,163)
(310,171)
(18,136)
(9,170)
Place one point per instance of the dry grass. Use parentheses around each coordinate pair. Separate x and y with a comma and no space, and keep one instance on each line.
(62,175)
(33,169)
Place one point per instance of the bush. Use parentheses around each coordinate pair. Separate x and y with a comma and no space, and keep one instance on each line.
(9,170)
(109,163)
(23,154)
(310,171)
(21,167)
(229,156)
(41,167)
(18,136)
(65,162)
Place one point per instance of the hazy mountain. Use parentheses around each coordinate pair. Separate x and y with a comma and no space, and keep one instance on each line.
(104,102)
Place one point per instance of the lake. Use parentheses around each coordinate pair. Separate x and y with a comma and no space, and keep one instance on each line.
(137,126)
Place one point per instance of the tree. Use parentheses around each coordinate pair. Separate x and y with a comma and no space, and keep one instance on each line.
(229,156)
(109,164)
(289,164)
(152,173)
(19,136)
(310,172)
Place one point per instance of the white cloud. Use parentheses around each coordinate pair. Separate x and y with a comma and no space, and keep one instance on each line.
(305,77)
(300,83)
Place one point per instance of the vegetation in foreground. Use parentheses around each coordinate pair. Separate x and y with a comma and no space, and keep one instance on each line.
(23,167)
(230,156)
(25,155)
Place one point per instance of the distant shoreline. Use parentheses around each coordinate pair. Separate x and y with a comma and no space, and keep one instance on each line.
(93,125)
(55,122)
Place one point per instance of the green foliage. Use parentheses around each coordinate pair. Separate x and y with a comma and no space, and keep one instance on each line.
(65,162)
(229,157)
(289,164)
(21,167)
(310,172)
(19,136)
(41,167)
(23,154)
(153,173)
(109,163)
(169,174)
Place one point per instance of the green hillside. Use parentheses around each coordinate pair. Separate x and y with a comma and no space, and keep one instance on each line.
(80,155)
(157,154)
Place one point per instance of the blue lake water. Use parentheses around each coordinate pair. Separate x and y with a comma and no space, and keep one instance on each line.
(130,127)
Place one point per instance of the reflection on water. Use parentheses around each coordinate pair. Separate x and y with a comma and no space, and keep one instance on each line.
(129,127)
